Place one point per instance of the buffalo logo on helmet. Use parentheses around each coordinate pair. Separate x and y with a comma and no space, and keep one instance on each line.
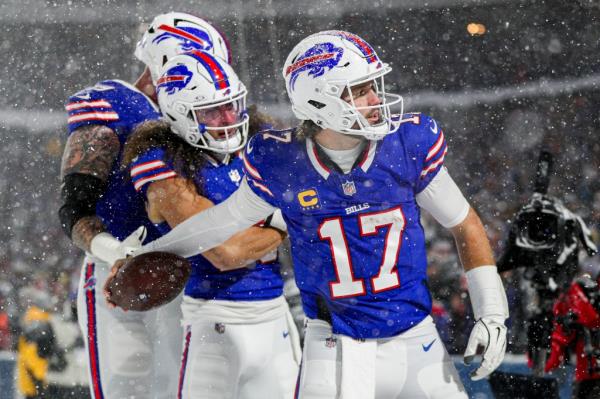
(174,79)
(315,60)
(190,38)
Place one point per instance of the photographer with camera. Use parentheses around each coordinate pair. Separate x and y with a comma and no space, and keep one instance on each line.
(546,238)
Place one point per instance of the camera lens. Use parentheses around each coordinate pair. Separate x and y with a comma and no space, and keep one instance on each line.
(539,228)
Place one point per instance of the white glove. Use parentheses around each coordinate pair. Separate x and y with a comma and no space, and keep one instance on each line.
(107,248)
(276,221)
(490,309)
(491,334)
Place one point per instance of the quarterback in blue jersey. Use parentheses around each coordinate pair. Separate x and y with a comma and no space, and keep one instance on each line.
(351,182)
(133,355)
(233,307)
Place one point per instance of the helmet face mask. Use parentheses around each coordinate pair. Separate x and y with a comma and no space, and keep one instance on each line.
(327,64)
(229,137)
(203,100)
(175,33)
(359,113)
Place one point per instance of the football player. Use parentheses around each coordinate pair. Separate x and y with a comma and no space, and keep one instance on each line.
(351,181)
(131,355)
(240,338)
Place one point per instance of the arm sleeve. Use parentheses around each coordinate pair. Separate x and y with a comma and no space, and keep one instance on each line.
(443,200)
(212,227)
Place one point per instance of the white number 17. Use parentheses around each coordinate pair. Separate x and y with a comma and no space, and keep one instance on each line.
(346,284)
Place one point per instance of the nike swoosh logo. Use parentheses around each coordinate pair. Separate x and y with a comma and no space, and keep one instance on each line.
(427,347)
(285,334)
(249,149)
(434,129)
(86,96)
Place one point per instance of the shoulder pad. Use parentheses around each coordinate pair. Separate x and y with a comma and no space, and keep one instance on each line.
(91,105)
(425,139)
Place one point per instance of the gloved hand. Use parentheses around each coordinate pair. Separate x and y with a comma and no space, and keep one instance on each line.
(490,309)
(107,248)
(133,242)
(490,333)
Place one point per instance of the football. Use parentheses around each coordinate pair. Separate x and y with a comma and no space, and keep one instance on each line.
(148,281)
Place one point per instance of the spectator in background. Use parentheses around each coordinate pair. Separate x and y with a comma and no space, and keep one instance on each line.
(5,334)
(36,344)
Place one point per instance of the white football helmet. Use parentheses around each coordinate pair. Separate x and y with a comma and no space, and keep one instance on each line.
(324,66)
(196,89)
(174,33)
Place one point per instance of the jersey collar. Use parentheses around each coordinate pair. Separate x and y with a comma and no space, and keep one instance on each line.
(324,165)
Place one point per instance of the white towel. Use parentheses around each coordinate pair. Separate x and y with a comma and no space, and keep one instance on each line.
(358,368)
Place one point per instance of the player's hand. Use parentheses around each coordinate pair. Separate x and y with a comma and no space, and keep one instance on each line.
(490,333)
(133,242)
(113,272)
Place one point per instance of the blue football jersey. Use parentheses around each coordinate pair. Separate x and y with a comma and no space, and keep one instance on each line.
(216,181)
(358,246)
(119,106)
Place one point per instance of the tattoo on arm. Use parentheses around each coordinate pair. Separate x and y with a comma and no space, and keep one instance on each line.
(84,230)
(90,150)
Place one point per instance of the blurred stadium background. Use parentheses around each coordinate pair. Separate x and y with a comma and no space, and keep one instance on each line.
(503,77)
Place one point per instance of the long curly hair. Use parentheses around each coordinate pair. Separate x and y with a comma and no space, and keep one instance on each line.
(307,129)
(186,159)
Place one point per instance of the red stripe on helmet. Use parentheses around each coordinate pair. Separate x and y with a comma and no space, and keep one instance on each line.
(220,76)
(364,46)
(182,33)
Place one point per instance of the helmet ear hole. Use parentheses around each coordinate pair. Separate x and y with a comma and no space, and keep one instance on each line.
(316,104)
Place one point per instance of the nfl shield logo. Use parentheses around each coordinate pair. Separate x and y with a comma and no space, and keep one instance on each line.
(220,328)
(330,342)
(235,176)
(349,188)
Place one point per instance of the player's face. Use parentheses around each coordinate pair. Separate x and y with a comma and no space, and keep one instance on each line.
(218,117)
(364,97)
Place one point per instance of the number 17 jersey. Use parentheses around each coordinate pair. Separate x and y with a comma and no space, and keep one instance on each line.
(358,246)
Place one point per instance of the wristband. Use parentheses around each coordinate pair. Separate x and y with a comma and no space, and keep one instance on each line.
(488,297)
(105,247)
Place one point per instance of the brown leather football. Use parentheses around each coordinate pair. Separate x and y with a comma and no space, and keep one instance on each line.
(148,281)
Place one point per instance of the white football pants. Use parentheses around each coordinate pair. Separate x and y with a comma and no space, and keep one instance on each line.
(414,364)
(131,355)
(239,361)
